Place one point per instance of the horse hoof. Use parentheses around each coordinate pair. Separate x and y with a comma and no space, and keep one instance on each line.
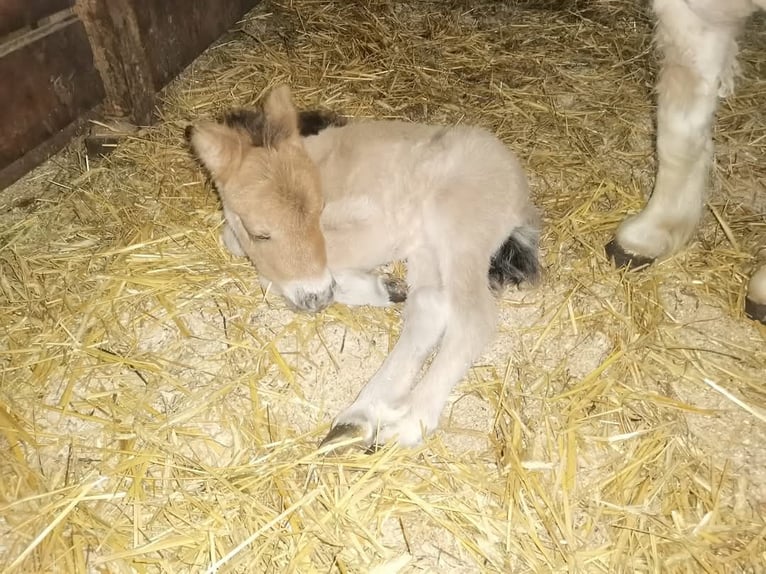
(755,311)
(397,289)
(343,435)
(624,259)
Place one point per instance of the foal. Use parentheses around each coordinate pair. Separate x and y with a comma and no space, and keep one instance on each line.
(316,210)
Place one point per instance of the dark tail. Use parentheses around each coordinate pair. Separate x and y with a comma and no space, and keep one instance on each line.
(516,260)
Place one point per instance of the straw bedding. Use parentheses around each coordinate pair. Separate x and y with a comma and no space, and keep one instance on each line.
(160,413)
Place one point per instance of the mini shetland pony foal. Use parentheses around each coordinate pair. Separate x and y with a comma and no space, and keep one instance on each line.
(316,214)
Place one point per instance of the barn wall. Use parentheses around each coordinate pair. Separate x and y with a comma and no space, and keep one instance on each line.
(16,15)
(63,62)
(175,32)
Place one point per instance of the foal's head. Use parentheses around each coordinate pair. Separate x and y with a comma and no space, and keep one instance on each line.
(271,195)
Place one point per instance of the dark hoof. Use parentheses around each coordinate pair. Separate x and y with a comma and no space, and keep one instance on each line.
(343,435)
(397,289)
(624,259)
(755,311)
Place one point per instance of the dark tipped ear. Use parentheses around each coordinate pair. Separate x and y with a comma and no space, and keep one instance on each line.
(217,146)
(311,122)
(251,121)
(281,117)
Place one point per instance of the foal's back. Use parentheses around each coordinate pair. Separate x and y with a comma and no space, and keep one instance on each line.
(382,153)
(407,173)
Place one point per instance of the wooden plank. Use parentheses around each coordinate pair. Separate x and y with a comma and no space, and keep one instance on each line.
(140,45)
(120,57)
(46,85)
(175,32)
(19,14)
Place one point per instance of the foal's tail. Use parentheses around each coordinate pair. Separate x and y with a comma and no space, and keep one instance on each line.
(516,260)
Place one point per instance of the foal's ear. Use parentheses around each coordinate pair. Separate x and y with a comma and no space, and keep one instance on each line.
(217,146)
(281,117)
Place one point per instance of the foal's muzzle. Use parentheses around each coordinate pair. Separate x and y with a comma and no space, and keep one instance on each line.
(315,302)
(311,298)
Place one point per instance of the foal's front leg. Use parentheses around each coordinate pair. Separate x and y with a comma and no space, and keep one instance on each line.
(354,246)
(354,287)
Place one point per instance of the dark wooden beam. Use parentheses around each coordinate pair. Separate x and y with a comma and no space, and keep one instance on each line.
(121,58)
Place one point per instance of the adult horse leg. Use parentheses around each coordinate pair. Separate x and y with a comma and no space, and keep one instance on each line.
(698,57)
(699,51)
(755,304)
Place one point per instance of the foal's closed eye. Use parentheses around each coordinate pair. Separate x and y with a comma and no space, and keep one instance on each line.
(259,236)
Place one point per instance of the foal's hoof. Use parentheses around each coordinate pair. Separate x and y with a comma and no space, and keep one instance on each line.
(344,435)
(622,258)
(397,289)
(755,311)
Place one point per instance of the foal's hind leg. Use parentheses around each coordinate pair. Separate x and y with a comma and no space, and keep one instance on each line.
(470,325)
(462,315)
(425,315)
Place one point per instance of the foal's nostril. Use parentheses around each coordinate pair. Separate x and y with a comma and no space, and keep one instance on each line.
(308,297)
(188,132)
(315,302)
(310,302)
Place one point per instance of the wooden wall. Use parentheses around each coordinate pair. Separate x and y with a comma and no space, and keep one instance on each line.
(63,62)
